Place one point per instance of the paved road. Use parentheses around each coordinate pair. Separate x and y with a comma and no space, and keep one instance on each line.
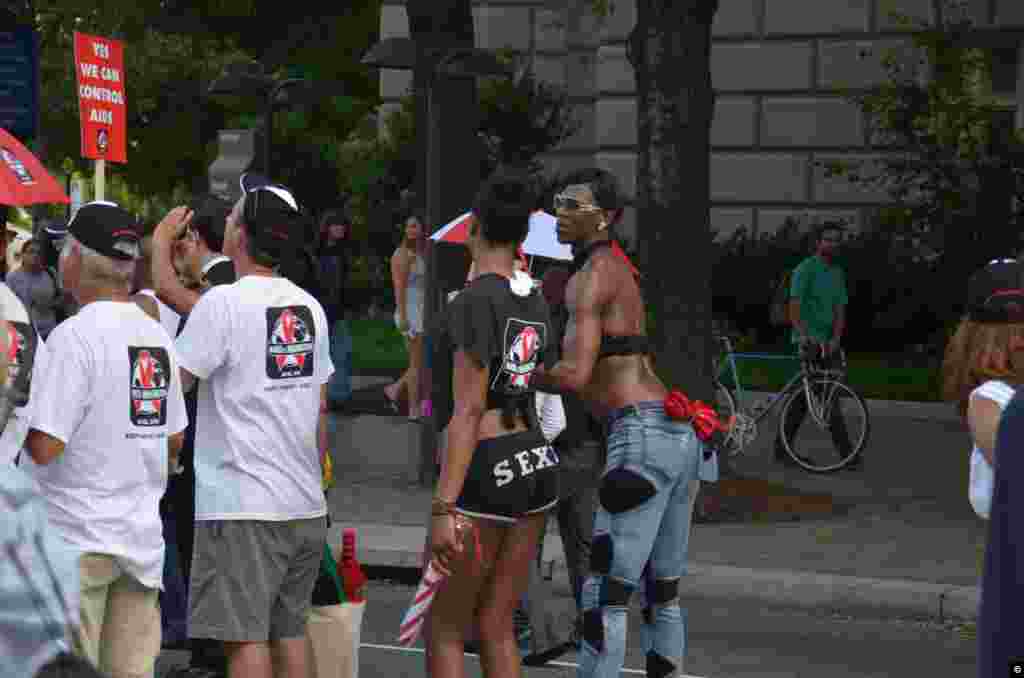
(734,640)
(910,457)
(910,518)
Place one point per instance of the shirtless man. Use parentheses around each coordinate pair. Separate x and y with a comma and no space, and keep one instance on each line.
(644,509)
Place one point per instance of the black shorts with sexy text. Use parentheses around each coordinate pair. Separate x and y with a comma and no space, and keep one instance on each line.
(510,477)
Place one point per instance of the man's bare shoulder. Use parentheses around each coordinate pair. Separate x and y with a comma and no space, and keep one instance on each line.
(594,283)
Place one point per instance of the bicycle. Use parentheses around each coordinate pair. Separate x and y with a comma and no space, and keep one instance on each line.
(830,404)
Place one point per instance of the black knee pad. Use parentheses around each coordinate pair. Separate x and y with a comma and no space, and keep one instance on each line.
(661,591)
(622,490)
(615,592)
(658,666)
(593,629)
(601,554)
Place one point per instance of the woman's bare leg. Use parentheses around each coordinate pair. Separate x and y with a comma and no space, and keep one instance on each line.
(452,613)
(412,377)
(499,652)
(394,391)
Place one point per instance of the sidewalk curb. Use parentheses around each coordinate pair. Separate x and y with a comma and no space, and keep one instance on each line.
(385,551)
(858,596)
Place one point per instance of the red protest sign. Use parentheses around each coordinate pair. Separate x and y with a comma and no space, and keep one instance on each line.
(99,67)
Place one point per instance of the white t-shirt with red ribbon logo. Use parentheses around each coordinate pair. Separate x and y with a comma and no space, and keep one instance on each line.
(111,392)
(261,350)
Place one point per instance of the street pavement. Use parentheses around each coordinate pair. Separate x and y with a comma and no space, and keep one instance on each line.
(732,639)
(905,544)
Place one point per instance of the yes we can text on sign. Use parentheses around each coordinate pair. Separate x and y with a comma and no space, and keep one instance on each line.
(99,69)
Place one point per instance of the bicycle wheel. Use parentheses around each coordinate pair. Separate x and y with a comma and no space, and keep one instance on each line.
(832,430)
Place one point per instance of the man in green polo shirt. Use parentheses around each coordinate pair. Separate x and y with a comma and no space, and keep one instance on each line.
(817,310)
(817,295)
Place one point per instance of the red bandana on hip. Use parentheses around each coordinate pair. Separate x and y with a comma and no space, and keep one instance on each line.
(705,420)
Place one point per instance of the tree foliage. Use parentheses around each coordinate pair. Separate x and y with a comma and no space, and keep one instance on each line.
(523,117)
(520,119)
(952,161)
(897,297)
(173,50)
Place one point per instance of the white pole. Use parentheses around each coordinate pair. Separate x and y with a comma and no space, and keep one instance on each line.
(101,179)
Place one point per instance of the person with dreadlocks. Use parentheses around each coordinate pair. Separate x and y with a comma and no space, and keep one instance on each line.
(499,474)
(653,449)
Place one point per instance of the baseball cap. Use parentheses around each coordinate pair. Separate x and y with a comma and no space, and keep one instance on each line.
(110,230)
(56,229)
(995,294)
(271,213)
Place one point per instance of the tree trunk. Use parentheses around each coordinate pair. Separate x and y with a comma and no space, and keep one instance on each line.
(444,24)
(449,173)
(671,53)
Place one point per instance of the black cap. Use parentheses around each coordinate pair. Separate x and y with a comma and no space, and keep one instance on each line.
(271,214)
(56,228)
(995,294)
(108,229)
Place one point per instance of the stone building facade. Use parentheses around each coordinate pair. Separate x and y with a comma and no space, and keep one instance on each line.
(777,67)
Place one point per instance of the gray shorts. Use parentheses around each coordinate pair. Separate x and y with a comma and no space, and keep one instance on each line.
(252,580)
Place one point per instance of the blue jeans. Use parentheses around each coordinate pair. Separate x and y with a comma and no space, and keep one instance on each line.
(339,386)
(641,533)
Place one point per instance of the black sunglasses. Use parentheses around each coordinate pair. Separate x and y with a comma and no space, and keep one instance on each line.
(565,202)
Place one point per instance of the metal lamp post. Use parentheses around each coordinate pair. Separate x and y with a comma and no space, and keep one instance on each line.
(248,79)
(436,63)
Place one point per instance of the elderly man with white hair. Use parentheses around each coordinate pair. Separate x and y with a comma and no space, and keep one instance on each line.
(107,421)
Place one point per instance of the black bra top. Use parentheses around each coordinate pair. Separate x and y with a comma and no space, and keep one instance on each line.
(626,344)
(612,345)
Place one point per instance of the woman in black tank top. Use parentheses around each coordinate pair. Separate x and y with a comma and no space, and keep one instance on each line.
(498,471)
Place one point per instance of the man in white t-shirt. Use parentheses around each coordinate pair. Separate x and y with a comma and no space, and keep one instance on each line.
(25,352)
(260,349)
(107,418)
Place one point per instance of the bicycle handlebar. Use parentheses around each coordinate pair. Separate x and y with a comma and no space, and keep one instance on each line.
(812,353)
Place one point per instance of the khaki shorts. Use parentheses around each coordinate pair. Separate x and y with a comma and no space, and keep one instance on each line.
(252,581)
(120,619)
